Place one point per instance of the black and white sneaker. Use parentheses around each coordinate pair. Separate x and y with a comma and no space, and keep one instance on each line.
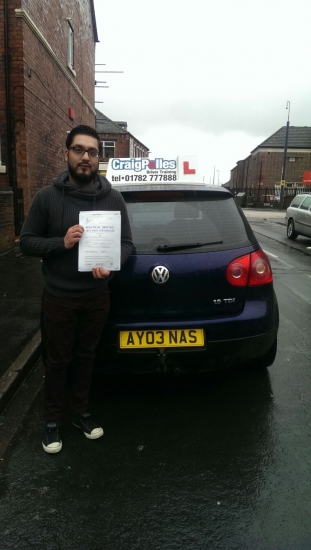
(90,428)
(51,441)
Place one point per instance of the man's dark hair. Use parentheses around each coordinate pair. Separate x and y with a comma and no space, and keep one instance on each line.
(84,130)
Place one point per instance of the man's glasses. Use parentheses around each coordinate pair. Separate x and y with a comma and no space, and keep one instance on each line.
(78,150)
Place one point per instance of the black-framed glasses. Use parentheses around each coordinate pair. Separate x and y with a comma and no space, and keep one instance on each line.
(78,150)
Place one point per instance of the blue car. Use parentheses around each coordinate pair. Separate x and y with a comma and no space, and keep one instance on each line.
(197,292)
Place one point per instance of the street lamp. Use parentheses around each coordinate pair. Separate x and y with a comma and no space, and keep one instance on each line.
(284,158)
(218,176)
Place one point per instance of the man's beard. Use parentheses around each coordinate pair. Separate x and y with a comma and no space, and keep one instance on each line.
(80,177)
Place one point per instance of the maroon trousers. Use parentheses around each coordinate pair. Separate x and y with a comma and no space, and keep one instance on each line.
(71,329)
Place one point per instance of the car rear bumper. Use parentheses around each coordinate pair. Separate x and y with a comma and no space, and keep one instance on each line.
(216,355)
(229,342)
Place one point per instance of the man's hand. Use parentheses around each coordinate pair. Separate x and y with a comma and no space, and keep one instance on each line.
(73,236)
(100,273)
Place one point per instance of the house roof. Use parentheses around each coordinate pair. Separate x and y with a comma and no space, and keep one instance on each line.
(105,125)
(299,137)
(94,21)
(121,123)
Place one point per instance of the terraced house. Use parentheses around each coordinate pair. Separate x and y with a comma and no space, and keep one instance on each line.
(262,169)
(116,141)
(47,63)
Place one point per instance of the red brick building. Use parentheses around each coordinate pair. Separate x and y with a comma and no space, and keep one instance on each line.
(116,141)
(47,62)
(263,167)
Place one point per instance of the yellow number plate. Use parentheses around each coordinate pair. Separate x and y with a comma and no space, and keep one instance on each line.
(136,339)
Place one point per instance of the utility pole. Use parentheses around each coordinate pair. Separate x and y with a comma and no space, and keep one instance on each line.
(284,158)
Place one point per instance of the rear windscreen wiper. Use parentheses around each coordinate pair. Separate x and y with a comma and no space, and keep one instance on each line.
(171,248)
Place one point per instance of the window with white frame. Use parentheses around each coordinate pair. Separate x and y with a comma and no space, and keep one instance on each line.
(70,46)
(107,149)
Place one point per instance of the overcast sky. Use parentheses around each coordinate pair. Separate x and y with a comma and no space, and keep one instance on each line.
(202,77)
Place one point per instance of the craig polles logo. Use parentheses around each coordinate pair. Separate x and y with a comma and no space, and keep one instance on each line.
(143,164)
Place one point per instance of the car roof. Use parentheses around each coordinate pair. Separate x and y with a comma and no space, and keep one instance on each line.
(176,186)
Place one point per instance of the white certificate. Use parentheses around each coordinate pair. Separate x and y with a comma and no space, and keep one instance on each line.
(100,244)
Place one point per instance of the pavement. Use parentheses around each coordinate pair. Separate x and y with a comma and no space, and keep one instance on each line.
(266,214)
(272,215)
(21,286)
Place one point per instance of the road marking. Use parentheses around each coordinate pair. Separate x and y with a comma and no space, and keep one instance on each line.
(269,254)
(278,259)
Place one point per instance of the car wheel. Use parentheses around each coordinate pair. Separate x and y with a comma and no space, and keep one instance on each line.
(291,233)
(267,359)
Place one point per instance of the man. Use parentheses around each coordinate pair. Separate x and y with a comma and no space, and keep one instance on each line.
(75,304)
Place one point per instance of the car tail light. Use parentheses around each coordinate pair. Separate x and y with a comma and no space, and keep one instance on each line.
(238,271)
(260,273)
(250,270)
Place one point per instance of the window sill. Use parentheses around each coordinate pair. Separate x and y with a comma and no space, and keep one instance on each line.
(71,69)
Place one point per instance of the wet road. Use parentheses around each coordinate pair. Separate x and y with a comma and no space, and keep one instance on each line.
(215,462)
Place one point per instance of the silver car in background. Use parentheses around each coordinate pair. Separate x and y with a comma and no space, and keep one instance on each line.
(298,216)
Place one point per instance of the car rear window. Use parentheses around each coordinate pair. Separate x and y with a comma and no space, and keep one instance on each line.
(297,200)
(306,204)
(167,219)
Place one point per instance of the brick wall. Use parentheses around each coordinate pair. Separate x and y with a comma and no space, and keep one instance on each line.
(266,168)
(48,94)
(272,166)
(7,230)
(50,16)
(123,146)
(41,95)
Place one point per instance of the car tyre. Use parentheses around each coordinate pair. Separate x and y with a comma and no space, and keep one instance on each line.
(291,233)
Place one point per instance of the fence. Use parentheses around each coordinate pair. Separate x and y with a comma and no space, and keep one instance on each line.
(269,196)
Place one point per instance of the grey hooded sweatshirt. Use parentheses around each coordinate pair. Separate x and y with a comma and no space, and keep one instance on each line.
(54,209)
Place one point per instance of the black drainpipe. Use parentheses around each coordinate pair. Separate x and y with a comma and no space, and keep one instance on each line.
(8,111)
